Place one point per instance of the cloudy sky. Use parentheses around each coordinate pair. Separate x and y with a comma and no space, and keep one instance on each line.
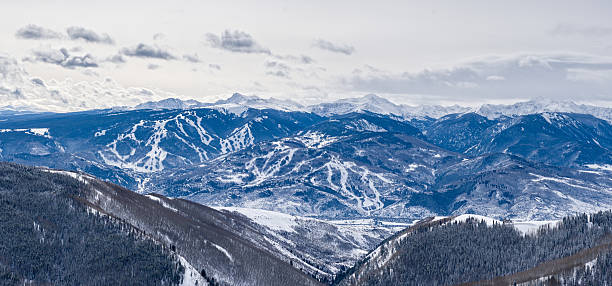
(432,52)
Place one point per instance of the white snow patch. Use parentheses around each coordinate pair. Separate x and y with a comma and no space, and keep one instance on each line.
(599,167)
(223,250)
(232,178)
(273,220)
(565,181)
(591,263)
(141,184)
(364,125)
(531,227)
(412,167)
(239,139)
(464,217)
(100,133)
(316,140)
(81,178)
(192,276)
(161,202)
(43,132)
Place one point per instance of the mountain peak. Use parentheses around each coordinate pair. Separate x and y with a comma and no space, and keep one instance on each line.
(541,105)
(169,103)
(240,98)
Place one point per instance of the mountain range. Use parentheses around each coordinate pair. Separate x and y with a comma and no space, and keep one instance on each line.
(230,192)
(238,103)
(345,165)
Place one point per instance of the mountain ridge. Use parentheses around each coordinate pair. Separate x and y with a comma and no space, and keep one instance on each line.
(377,104)
(354,165)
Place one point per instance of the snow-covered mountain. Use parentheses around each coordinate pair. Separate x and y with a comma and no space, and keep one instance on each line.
(238,103)
(561,139)
(168,103)
(380,105)
(369,102)
(543,105)
(354,165)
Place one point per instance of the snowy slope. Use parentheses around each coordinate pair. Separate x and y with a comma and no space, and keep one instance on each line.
(346,166)
(323,246)
(561,139)
(543,105)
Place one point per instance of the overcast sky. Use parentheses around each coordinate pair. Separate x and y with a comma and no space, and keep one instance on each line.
(433,52)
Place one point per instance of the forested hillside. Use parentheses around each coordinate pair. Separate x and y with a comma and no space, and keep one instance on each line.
(66,228)
(47,238)
(447,253)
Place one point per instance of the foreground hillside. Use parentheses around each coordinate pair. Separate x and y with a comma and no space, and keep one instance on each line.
(49,238)
(67,228)
(482,251)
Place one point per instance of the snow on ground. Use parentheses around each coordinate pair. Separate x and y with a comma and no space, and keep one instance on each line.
(161,202)
(413,167)
(600,167)
(44,132)
(464,217)
(359,229)
(364,125)
(80,177)
(525,227)
(531,227)
(562,180)
(191,277)
(142,182)
(233,178)
(240,138)
(273,220)
(224,251)
(100,133)
(316,140)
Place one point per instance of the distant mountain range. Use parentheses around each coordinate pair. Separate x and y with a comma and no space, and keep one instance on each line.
(350,165)
(238,103)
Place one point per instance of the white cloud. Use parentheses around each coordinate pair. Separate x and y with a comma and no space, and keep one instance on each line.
(236,41)
(567,29)
(63,58)
(495,77)
(80,33)
(333,47)
(559,76)
(34,32)
(19,90)
(148,51)
(590,76)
